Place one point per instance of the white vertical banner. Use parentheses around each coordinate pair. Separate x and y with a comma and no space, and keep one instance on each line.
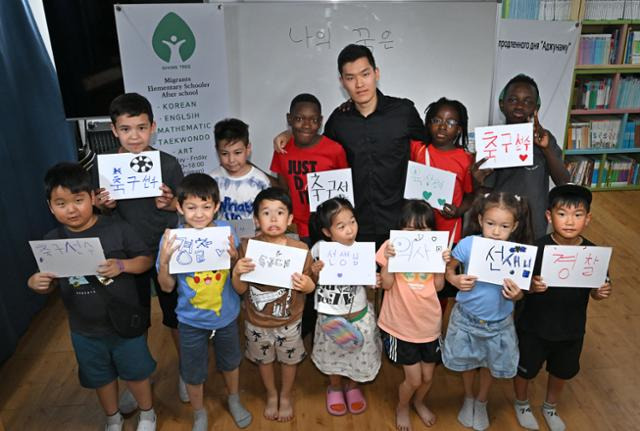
(175,55)
(545,51)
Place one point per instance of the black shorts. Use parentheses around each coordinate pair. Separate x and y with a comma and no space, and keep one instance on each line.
(168,301)
(407,353)
(562,357)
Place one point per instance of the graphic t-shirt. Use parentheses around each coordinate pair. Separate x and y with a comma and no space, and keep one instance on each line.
(457,161)
(87,310)
(294,166)
(206,299)
(238,193)
(337,300)
(271,306)
(410,309)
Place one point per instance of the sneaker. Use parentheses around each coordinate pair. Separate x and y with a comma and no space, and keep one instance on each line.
(114,423)
(147,421)
(182,390)
(525,416)
(127,403)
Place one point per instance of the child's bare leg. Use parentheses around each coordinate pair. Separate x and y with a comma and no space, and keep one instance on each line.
(480,415)
(411,383)
(196,395)
(465,416)
(521,388)
(554,389)
(335,381)
(141,390)
(108,397)
(426,415)
(269,381)
(285,413)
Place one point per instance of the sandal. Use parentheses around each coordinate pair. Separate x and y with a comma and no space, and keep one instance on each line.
(354,397)
(335,403)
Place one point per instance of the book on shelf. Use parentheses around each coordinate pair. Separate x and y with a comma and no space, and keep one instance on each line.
(628,95)
(548,10)
(631,9)
(592,93)
(583,170)
(620,171)
(596,48)
(632,48)
(604,9)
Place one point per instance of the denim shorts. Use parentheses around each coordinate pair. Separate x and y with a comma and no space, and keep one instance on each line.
(474,343)
(101,360)
(194,350)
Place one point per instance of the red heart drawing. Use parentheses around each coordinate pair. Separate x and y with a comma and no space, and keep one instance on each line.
(523,157)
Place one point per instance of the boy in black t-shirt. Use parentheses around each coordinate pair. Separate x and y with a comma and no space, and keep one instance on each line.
(552,322)
(132,123)
(102,354)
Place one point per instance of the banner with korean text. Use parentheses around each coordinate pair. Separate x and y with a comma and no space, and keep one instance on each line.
(175,56)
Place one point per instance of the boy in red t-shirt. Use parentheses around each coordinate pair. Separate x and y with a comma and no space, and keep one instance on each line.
(307,151)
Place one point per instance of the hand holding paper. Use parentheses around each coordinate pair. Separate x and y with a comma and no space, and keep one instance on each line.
(41,281)
(510,290)
(603,292)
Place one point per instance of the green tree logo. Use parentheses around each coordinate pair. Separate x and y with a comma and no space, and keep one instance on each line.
(173,41)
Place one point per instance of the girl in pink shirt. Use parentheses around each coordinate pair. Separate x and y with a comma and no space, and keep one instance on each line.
(411,319)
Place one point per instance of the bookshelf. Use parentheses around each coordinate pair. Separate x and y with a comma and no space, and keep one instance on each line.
(602,146)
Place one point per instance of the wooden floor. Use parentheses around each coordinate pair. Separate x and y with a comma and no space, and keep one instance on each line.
(39,389)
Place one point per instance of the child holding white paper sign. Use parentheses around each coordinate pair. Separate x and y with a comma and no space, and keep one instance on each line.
(208,306)
(411,318)
(344,365)
(481,334)
(103,354)
(273,315)
(552,322)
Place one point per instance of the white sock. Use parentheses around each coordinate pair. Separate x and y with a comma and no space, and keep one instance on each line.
(115,418)
(200,420)
(465,417)
(551,417)
(525,417)
(480,416)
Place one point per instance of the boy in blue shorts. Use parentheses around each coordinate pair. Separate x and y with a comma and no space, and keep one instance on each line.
(102,354)
(552,322)
(132,123)
(239,181)
(208,306)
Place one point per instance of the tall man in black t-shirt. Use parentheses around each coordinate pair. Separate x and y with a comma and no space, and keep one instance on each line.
(374,130)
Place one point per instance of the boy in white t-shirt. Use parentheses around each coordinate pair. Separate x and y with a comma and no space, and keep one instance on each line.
(239,181)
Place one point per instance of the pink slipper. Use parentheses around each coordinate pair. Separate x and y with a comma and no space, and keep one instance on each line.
(335,403)
(355,401)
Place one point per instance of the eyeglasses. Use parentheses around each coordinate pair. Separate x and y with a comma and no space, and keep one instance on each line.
(450,122)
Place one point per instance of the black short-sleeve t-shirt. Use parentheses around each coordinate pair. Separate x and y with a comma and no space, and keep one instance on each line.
(559,313)
(86,308)
(149,221)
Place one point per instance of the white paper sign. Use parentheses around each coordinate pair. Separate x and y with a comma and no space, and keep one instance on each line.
(130,176)
(275,264)
(493,261)
(431,184)
(68,257)
(245,228)
(505,146)
(325,185)
(200,249)
(348,265)
(575,266)
(418,251)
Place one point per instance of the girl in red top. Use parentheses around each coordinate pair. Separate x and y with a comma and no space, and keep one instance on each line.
(446,123)
(446,126)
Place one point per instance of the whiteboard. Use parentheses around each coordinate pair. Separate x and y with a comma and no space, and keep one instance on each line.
(275,52)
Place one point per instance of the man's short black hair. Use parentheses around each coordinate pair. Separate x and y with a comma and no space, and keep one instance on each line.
(353,52)
(130,104)
(302,98)
(199,185)
(67,175)
(521,79)
(570,195)
(231,129)
(272,194)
